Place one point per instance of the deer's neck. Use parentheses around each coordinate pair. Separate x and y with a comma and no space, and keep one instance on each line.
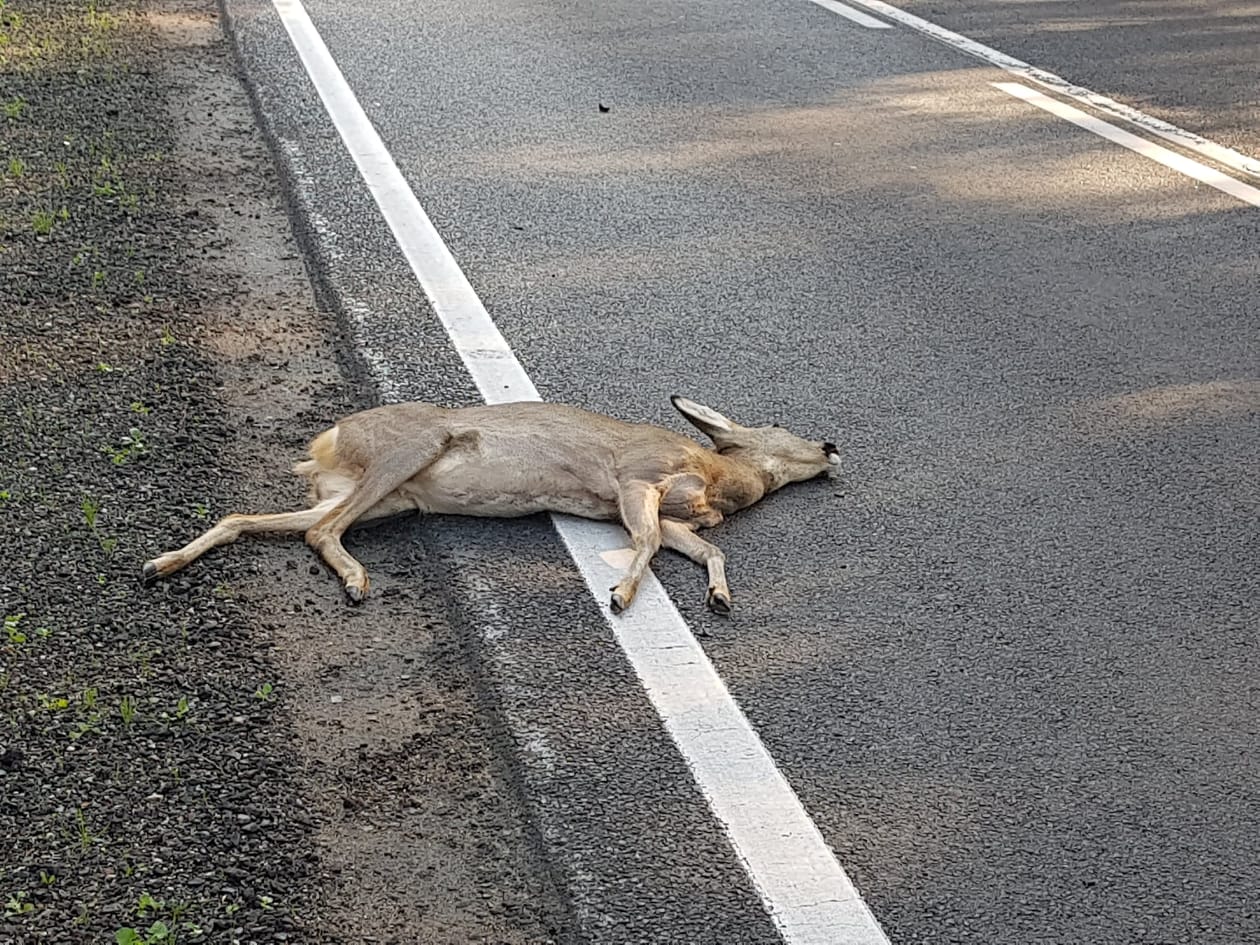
(738,483)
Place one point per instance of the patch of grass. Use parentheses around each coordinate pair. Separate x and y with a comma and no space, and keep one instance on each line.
(84,726)
(127,709)
(14,632)
(53,703)
(64,35)
(42,222)
(103,177)
(182,708)
(17,168)
(87,700)
(90,508)
(98,20)
(85,836)
(12,628)
(159,933)
(264,692)
(14,108)
(131,446)
(143,658)
(91,512)
(10,22)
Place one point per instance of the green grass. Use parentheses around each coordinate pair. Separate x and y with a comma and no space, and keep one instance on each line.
(132,446)
(90,508)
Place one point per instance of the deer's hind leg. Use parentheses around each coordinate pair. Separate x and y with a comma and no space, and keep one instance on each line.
(678,537)
(227,530)
(371,498)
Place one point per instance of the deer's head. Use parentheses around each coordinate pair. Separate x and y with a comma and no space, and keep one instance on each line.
(781,457)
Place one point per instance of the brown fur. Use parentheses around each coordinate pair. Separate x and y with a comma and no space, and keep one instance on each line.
(517,459)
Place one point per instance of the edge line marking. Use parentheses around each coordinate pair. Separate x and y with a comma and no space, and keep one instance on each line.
(1148,149)
(1156,126)
(805,891)
(857,16)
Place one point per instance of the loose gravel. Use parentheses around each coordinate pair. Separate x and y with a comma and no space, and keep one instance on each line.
(233,755)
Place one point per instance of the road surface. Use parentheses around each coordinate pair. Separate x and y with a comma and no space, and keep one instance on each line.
(1008,663)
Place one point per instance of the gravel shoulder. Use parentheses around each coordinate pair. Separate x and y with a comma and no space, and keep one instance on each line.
(233,755)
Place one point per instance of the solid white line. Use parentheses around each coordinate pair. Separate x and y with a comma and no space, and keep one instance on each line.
(1149,149)
(804,889)
(1169,132)
(857,16)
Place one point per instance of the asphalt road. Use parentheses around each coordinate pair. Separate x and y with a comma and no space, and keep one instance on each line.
(1190,62)
(1009,663)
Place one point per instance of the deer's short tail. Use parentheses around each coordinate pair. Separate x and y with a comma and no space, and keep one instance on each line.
(324,471)
(323,450)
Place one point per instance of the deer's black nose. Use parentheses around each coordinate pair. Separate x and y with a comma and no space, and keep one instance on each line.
(830,449)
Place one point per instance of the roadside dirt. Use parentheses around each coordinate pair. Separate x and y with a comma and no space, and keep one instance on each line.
(234,755)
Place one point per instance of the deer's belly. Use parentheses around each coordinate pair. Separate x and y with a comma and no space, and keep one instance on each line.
(463,498)
(507,505)
(469,482)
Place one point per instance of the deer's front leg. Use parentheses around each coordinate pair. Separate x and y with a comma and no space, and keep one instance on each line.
(678,537)
(640,504)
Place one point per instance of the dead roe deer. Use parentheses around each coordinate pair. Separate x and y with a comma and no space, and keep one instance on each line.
(517,459)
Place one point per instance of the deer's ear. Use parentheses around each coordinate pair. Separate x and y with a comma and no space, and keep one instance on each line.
(705,419)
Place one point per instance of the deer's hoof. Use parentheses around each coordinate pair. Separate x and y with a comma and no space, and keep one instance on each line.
(618,602)
(149,573)
(719,603)
(355,594)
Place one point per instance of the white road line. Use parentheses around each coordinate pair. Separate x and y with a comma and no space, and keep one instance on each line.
(1149,149)
(857,16)
(1169,132)
(805,890)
